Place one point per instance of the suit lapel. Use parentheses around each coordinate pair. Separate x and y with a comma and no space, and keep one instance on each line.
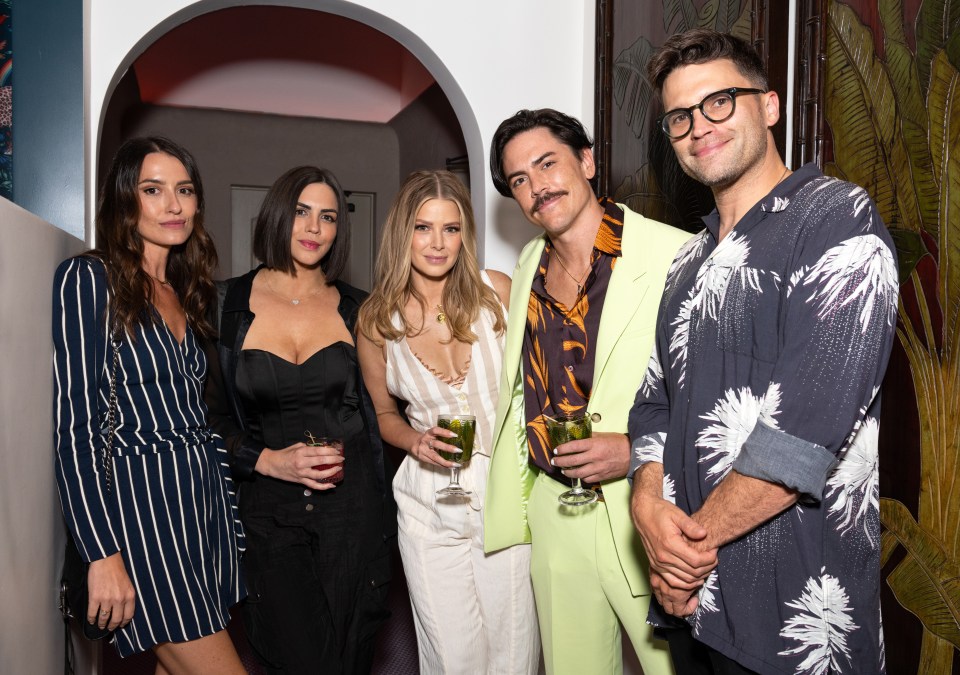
(625,292)
(516,324)
(519,301)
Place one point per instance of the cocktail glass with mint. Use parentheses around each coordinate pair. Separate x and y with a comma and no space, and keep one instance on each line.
(562,429)
(465,428)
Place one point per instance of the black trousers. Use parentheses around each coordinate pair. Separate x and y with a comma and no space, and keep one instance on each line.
(317,579)
(691,657)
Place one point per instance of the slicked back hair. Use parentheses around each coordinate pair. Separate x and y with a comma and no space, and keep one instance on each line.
(568,130)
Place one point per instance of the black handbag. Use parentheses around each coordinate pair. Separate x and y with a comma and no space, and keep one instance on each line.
(73,579)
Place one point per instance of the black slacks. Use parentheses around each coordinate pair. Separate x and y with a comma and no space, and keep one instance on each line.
(691,657)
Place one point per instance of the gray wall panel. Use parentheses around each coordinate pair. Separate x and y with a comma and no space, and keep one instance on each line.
(236,148)
(31,526)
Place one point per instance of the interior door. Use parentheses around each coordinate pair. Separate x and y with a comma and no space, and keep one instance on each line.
(363,240)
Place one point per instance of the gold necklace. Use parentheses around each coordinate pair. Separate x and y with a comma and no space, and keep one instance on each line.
(578,282)
(441,315)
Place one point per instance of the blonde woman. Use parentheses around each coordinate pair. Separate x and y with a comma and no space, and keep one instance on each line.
(430,340)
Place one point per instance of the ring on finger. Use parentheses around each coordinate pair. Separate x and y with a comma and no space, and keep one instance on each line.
(430,444)
(104,613)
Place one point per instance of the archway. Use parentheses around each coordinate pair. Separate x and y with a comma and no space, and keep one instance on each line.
(448,91)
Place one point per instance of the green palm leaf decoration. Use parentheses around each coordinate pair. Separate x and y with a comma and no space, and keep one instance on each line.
(927,582)
(896,130)
(937,24)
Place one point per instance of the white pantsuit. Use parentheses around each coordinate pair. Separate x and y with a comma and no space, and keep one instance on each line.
(473,612)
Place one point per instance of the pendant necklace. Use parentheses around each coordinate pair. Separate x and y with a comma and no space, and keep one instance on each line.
(293,301)
(441,315)
(578,282)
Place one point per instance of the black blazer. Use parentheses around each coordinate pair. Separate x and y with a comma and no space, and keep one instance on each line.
(227,416)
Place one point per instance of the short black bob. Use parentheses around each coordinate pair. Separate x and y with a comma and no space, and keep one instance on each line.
(274,229)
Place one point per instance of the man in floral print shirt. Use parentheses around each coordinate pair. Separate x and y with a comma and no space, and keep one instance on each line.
(754,433)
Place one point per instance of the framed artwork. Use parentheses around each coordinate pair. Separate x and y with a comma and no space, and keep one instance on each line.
(635,163)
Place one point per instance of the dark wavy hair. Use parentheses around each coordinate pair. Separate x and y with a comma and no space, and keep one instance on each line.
(190,266)
(568,130)
(702,45)
(271,236)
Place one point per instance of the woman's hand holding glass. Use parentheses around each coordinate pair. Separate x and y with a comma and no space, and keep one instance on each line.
(428,445)
(296,463)
(464,428)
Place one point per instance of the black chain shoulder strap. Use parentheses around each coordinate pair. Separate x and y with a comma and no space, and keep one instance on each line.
(111,412)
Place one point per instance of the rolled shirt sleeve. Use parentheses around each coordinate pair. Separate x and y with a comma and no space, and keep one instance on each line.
(773,345)
(837,335)
(778,457)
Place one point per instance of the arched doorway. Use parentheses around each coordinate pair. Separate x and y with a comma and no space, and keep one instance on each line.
(252,91)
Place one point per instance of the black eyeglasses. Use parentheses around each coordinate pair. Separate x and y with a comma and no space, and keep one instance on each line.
(716,107)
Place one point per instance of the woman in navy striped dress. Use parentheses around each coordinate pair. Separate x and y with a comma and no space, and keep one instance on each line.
(163,537)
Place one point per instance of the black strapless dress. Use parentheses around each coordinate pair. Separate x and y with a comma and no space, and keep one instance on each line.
(316,561)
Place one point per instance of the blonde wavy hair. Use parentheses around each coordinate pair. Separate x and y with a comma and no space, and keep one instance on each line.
(464,293)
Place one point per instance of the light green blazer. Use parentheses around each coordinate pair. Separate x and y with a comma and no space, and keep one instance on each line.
(624,344)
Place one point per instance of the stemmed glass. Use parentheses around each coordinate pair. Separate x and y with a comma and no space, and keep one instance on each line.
(465,428)
(571,427)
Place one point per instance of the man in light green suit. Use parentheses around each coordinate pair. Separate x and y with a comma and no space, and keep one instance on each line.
(583,309)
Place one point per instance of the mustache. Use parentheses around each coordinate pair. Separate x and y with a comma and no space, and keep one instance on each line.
(539,202)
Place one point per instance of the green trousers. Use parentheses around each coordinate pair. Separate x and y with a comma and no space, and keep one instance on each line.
(581,593)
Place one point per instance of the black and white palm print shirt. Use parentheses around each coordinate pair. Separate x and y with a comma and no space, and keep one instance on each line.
(771,347)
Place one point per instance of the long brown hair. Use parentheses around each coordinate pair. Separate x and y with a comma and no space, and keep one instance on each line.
(464,293)
(190,265)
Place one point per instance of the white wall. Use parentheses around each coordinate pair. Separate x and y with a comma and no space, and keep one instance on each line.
(31,527)
(491,57)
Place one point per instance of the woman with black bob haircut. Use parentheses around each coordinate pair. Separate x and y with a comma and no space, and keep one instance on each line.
(277,217)
(155,517)
(303,437)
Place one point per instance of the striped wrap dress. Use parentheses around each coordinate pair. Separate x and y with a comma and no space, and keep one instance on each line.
(171,509)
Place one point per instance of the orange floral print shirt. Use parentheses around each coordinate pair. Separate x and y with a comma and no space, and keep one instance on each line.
(559,342)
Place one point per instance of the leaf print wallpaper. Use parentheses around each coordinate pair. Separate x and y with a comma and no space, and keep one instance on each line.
(892,110)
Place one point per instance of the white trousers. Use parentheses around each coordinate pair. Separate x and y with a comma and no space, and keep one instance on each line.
(474,613)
